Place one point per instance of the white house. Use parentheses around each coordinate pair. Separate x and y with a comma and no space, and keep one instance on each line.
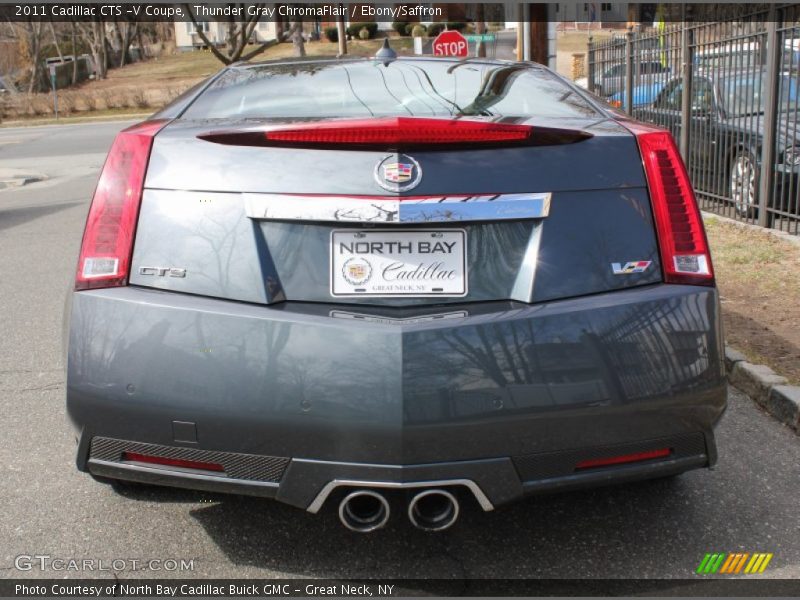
(606,14)
(579,15)
(187,38)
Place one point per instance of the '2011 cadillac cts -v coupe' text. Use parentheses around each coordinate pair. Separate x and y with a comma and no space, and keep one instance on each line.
(421,280)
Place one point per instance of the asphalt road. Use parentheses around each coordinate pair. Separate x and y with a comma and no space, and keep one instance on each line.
(749,502)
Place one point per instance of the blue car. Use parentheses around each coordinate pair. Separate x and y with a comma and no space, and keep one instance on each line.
(643,95)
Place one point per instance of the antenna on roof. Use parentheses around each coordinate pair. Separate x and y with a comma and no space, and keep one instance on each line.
(386,54)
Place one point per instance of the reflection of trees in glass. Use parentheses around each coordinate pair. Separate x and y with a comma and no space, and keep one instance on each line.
(403,87)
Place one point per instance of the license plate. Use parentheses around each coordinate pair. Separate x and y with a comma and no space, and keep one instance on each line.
(419,262)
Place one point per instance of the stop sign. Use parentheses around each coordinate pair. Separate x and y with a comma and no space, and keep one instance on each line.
(450,43)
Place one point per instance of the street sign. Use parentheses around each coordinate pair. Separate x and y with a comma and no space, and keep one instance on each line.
(483,37)
(450,43)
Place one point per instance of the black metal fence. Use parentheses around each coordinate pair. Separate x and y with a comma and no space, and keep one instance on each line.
(729,92)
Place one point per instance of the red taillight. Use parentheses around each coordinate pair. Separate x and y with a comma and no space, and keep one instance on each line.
(622,459)
(685,256)
(172,462)
(108,238)
(398,133)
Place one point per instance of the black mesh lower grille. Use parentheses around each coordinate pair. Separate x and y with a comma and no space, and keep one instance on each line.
(237,466)
(545,465)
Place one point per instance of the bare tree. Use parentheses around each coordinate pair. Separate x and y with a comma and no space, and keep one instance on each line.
(74,40)
(29,36)
(122,38)
(238,35)
(94,35)
(55,41)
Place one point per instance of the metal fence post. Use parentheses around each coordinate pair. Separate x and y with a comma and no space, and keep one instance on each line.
(590,64)
(770,116)
(629,72)
(687,66)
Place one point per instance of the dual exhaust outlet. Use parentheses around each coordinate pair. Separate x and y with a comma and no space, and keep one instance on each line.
(367,510)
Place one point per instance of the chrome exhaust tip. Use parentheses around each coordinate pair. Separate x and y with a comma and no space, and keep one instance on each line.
(433,510)
(364,511)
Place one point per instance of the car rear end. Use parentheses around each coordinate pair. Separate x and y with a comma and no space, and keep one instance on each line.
(349,277)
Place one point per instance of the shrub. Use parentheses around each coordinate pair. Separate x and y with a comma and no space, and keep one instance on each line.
(110,99)
(401,27)
(89,101)
(418,31)
(457,25)
(355,29)
(332,33)
(138,99)
(40,105)
(364,34)
(66,103)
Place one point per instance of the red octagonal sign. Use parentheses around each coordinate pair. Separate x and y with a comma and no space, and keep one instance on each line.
(450,43)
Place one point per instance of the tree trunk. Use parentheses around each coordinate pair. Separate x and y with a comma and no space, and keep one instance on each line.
(127,39)
(296,35)
(140,42)
(100,50)
(480,28)
(74,54)
(341,32)
(115,42)
(34,42)
(55,41)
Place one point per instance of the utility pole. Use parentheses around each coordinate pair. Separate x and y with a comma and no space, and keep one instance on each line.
(340,31)
(532,33)
(538,18)
(524,49)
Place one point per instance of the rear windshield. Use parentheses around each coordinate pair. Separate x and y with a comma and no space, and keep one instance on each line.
(401,88)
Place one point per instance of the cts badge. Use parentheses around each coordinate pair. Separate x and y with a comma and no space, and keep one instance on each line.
(398,173)
(637,266)
(162,271)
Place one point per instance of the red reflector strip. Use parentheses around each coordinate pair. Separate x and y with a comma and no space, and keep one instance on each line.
(622,459)
(685,255)
(396,133)
(172,462)
(401,131)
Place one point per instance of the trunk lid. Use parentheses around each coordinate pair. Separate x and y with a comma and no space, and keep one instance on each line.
(203,228)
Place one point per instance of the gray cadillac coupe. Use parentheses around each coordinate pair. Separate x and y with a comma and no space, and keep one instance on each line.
(393,285)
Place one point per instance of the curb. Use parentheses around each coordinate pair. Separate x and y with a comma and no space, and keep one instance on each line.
(767,388)
(79,120)
(781,235)
(15,182)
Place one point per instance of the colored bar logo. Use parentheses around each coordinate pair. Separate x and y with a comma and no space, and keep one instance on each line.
(734,563)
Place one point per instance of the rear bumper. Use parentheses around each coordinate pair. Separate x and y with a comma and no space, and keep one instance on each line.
(507,396)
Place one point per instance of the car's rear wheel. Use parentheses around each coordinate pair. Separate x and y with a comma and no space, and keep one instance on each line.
(742,183)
